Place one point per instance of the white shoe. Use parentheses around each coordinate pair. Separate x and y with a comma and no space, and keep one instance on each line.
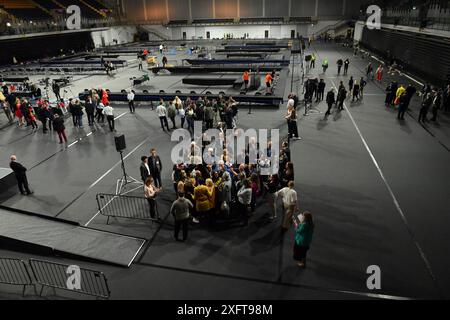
(195,220)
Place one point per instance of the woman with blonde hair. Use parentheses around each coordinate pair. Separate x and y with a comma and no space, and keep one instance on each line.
(212,192)
(150,193)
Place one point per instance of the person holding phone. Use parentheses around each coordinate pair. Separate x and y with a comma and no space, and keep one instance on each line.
(304,229)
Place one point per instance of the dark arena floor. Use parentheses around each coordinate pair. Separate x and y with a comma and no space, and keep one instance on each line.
(379,190)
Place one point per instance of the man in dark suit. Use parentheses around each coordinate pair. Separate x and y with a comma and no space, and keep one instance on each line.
(21,176)
(155,164)
(145,170)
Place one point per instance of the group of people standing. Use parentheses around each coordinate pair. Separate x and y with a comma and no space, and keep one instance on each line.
(229,192)
(213,113)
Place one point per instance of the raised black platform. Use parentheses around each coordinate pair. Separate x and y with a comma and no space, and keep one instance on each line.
(261,47)
(13,79)
(281,62)
(210,81)
(250,49)
(7,180)
(60,236)
(210,69)
(247,55)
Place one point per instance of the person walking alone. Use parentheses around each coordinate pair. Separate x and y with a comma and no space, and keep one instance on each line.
(58,126)
(130,98)
(330,101)
(339,66)
(346,65)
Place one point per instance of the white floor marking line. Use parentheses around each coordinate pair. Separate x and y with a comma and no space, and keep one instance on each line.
(121,115)
(111,169)
(91,132)
(73,143)
(394,198)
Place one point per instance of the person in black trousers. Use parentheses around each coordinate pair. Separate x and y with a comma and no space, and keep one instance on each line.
(181,212)
(155,164)
(330,101)
(56,90)
(90,110)
(426,104)
(130,98)
(342,95)
(346,65)
(339,65)
(144,169)
(320,90)
(402,106)
(21,176)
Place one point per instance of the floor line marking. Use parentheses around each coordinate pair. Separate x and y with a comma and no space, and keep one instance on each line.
(394,199)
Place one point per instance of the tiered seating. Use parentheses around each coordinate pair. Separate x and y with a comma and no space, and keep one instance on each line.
(24,9)
(48,4)
(86,11)
(96,4)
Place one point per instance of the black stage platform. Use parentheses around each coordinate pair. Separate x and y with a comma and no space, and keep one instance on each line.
(59,236)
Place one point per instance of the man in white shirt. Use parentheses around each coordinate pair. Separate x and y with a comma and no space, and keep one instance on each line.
(161,47)
(130,98)
(161,111)
(289,196)
(108,111)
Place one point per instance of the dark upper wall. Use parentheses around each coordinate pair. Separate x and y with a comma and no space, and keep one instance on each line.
(26,49)
(422,55)
(219,9)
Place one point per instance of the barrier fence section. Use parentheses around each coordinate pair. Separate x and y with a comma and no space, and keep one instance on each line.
(15,272)
(70,278)
(120,206)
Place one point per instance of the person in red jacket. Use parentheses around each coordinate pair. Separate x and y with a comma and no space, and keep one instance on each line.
(105,100)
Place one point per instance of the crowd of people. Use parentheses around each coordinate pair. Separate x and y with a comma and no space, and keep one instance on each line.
(51,116)
(221,112)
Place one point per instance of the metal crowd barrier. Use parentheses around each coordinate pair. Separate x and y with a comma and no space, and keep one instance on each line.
(55,275)
(120,206)
(15,272)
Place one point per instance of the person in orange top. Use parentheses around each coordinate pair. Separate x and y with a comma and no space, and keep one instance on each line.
(269,80)
(246,78)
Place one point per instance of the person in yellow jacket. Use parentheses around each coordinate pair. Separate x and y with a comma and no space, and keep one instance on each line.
(202,199)
(313,61)
(401,90)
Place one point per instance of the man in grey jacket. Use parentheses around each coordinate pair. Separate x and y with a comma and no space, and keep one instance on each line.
(180,211)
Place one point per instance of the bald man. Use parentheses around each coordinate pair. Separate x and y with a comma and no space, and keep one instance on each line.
(21,176)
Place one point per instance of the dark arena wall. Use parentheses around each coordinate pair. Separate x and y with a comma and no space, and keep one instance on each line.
(425,56)
(31,48)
